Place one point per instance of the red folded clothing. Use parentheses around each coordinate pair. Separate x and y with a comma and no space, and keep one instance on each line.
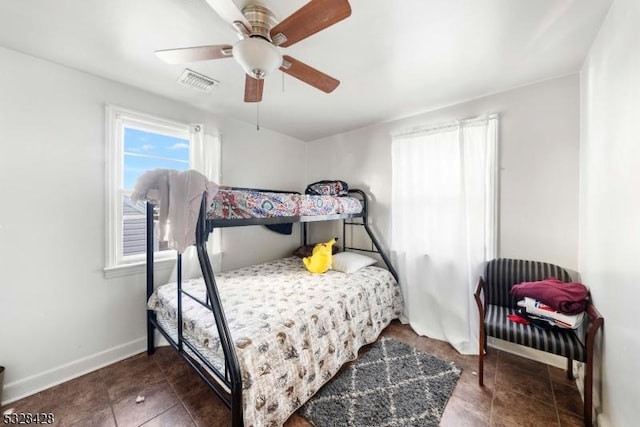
(569,298)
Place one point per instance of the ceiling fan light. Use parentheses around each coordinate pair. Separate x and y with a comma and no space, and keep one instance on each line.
(257,57)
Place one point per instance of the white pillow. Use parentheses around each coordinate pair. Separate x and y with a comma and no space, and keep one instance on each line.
(350,262)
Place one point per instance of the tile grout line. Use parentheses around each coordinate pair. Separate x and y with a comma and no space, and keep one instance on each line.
(553,395)
(176,393)
(100,372)
(495,381)
(534,398)
(163,412)
(113,413)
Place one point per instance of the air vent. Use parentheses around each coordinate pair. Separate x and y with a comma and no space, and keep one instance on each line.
(197,81)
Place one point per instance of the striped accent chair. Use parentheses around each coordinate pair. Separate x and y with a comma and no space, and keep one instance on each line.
(495,302)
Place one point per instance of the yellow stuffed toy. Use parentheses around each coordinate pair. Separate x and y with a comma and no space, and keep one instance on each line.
(320,259)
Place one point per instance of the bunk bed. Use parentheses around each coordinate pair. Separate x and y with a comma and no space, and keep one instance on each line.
(292,330)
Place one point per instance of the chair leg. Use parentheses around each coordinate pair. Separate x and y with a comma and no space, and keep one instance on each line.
(481,349)
(588,391)
(570,368)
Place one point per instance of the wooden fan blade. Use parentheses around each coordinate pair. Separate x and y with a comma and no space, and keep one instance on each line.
(309,75)
(253,89)
(229,12)
(193,54)
(309,19)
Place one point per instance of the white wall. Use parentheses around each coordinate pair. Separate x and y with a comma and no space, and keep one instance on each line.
(59,316)
(610,204)
(260,160)
(539,139)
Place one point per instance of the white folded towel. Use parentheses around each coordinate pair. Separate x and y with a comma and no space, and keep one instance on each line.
(543,311)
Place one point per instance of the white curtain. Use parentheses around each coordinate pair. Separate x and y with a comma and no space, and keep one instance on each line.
(444,183)
(205,156)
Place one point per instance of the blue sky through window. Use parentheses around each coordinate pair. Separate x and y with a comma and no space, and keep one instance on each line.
(148,150)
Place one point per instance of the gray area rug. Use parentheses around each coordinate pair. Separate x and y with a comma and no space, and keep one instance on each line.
(391,385)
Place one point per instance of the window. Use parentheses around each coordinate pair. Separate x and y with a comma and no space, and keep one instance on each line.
(444,222)
(144,150)
(137,143)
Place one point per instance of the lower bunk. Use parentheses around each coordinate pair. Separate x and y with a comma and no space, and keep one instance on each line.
(291,330)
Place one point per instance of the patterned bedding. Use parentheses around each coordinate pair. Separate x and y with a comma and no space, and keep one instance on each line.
(292,330)
(234,204)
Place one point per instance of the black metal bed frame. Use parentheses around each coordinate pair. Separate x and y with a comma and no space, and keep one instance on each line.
(231,379)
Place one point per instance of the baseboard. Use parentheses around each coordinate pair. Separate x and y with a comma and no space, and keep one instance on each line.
(27,386)
(529,353)
(602,421)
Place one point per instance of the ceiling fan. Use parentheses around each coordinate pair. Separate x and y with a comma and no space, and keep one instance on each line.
(261,36)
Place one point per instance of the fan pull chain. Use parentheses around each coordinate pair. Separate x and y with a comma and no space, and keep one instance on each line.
(257,116)
(282,72)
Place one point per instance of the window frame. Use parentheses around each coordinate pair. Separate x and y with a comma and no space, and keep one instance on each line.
(117,118)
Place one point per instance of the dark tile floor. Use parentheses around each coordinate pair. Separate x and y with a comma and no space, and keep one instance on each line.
(517,392)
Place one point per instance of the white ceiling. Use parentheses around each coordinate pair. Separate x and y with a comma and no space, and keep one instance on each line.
(393,58)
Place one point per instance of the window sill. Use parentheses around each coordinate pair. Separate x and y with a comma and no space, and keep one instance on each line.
(137,268)
(161,264)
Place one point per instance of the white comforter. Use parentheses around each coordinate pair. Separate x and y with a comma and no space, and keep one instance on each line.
(293,330)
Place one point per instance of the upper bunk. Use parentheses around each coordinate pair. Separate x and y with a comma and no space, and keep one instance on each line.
(223,206)
(237,206)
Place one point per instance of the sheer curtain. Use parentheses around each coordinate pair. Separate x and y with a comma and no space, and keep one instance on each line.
(205,156)
(444,183)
